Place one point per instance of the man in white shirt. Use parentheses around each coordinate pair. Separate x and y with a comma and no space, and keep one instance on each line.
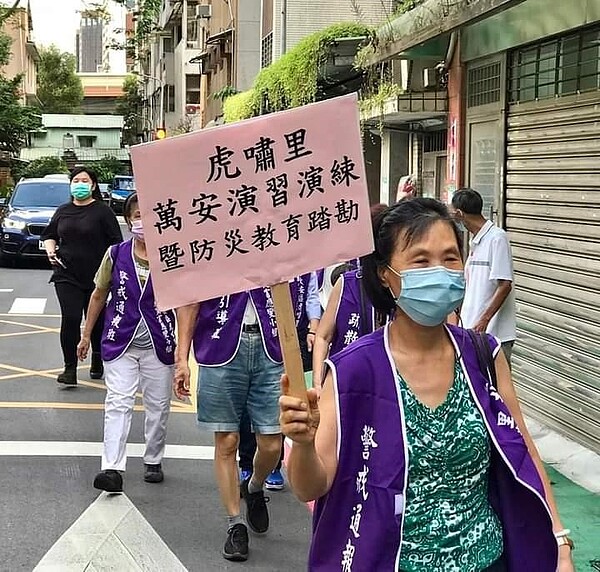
(489,304)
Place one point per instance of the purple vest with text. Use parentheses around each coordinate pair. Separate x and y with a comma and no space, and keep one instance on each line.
(350,324)
(372,473)
(220,321)
(129,303)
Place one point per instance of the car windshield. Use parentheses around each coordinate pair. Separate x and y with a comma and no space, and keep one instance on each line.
(124,184)
(46,195)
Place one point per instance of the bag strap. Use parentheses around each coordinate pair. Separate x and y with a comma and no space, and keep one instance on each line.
(485,357)
(363,305)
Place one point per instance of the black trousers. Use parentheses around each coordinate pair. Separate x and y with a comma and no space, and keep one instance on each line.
(73,305)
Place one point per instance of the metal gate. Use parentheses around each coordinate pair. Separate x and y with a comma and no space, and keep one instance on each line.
(553,217)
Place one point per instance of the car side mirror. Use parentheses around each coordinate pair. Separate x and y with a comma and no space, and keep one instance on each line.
(3,201)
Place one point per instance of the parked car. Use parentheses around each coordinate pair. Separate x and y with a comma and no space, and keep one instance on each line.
(122,186)
(105,192)
(26,214)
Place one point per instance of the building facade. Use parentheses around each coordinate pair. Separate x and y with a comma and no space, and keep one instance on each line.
(24,54)
(90,44)
(523,125)
(86,138)
(101,92)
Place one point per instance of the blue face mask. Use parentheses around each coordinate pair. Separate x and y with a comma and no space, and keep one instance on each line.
(81,191)
(429,295)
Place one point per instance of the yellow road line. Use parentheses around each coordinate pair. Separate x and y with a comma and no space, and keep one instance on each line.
(30,316)
(63,405)
(29,333)
(34,326)
(51,374)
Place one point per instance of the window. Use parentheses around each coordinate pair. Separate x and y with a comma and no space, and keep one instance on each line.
(192,89)
(483,85)
(266,51)
(564,66)
(86,140)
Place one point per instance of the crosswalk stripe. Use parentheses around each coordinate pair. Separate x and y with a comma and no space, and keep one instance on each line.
(90,449)
(122,539)
(28,306)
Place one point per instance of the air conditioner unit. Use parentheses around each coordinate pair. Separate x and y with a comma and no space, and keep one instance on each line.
(203,11)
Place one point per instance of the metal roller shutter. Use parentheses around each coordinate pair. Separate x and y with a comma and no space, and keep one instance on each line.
(553,217)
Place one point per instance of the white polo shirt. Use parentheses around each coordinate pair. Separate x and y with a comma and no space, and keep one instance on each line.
(490,260)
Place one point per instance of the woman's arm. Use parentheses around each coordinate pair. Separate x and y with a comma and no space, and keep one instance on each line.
(325,333)
(509,396)
(312,425)
(95,307)
(186,324)
(113,230)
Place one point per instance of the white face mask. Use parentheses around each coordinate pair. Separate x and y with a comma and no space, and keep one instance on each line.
(137,229)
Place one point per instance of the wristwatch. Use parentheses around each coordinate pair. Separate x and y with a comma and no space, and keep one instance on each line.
(565,540)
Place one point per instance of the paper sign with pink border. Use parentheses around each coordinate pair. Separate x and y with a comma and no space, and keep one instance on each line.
(254,203)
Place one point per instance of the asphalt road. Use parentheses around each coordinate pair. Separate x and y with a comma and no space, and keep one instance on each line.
(49,438)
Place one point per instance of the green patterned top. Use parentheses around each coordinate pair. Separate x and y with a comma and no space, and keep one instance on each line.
(449,525)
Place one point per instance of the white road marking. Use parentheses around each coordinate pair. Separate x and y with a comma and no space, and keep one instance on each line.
(111,534)
(28,306)
(6,290)
(89,449)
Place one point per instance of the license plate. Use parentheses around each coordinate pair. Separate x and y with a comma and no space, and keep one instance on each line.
(42,245)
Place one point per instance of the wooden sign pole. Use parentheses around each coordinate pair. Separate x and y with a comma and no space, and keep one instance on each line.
(288,338)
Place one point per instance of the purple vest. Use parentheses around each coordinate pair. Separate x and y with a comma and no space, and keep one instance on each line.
(349,324)
(129,303)
(372,471)
(220,321)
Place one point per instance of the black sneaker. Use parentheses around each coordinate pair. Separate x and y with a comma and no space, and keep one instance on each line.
(109,481)
(236,545)
(153,473)
(68,376)
(257,515)
(97,367)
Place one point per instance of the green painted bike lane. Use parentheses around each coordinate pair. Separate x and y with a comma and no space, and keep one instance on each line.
(580,512)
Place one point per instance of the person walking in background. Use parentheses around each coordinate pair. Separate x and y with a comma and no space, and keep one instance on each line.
(138,348)
(349,314)
(307,323)
(417,451)
(236,344)
(489,304)
(75,240)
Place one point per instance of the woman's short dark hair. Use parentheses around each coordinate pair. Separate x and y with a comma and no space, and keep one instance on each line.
(413,218)
(96,194)
(130,202)
(468,201)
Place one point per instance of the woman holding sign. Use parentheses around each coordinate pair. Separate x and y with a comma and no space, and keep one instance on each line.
(417,451)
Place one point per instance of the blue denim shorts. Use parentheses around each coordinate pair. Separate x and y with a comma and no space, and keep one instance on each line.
(250,381)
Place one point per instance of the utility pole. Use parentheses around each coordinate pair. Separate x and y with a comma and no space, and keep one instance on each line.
(283,26)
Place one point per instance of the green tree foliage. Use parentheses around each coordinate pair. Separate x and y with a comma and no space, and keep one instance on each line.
(41,167)
(16,120)
(59,87)
(130,107)
(292,80)
(107,168)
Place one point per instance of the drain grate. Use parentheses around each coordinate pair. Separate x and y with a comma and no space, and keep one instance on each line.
(595,564)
